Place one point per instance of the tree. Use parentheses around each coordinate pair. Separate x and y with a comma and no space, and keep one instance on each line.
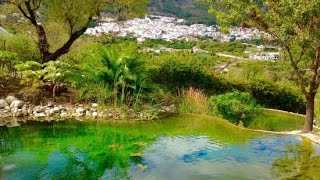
(74,16)
(294,25)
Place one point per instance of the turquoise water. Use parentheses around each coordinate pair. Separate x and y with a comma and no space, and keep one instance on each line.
(168,149)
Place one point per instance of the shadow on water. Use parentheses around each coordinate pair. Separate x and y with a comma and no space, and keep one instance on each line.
(141,150)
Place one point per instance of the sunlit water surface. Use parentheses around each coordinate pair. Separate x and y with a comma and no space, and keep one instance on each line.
(157,150)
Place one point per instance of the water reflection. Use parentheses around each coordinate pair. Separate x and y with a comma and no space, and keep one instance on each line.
(300,161)
(179,148)
(200,157)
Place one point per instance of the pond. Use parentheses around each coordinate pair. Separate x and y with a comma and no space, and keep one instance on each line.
(185,147)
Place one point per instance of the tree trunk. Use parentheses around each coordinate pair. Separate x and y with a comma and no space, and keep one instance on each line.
(66,46)
(308,124)
(43,44)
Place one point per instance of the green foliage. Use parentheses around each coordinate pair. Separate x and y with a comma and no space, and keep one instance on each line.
(189,10)
(235,48)
(294,25)
(268,82)
(175,44)
(236,106)
(35,74)
(178,75)
(103,74)
(128,8)
(8,71)
(22,45)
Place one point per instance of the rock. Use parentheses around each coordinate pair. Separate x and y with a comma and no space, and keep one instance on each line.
(18,114)
(51,112)
(10,99)
(94,115)
(3,103)
(56,110)
(50,105)
(30,111)
(63,114)
(17,104)
(94,105)
(40,115)
(79,110)
(101,115)
(88,113)
(25,112)
(7,108)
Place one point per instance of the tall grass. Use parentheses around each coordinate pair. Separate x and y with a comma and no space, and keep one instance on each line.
(194,101)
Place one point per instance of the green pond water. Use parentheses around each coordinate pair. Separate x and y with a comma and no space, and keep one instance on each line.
(185,147)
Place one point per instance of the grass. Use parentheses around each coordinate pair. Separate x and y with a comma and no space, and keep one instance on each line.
(277,121)
(194,101)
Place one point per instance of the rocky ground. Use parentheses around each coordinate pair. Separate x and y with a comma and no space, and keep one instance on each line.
(13,108)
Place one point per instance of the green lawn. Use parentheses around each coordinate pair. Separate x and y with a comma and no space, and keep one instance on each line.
(277,121)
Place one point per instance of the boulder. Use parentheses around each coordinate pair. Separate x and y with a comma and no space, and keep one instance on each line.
(56,110)
(3,103)
(16,104)
(40,115)
(18,114)
(94,115)
(80,110)
(25,112)
(51,112)
(10,99)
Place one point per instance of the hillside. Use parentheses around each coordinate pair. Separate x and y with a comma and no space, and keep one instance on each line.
(185,9)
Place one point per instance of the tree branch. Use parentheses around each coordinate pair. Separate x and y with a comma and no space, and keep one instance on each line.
(297,71)
(31,13)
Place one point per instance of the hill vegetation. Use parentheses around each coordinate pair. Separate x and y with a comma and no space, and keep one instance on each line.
(185,9)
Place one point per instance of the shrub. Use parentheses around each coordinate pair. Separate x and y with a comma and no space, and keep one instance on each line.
(236,107)
(22,45)
(177,75)
(8,61)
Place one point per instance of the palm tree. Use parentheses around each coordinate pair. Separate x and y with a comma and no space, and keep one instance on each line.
(122,73)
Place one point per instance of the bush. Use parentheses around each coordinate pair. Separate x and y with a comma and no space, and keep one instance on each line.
(236,107)
(177,75)
(269,94)
(22,45)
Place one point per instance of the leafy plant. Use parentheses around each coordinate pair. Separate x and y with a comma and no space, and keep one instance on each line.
(35,75)
(8,61)
(236,106)
(119,75)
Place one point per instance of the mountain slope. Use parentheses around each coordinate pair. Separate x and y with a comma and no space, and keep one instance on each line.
(185,9)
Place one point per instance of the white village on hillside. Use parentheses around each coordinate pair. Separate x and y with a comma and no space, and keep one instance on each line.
(170,28)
